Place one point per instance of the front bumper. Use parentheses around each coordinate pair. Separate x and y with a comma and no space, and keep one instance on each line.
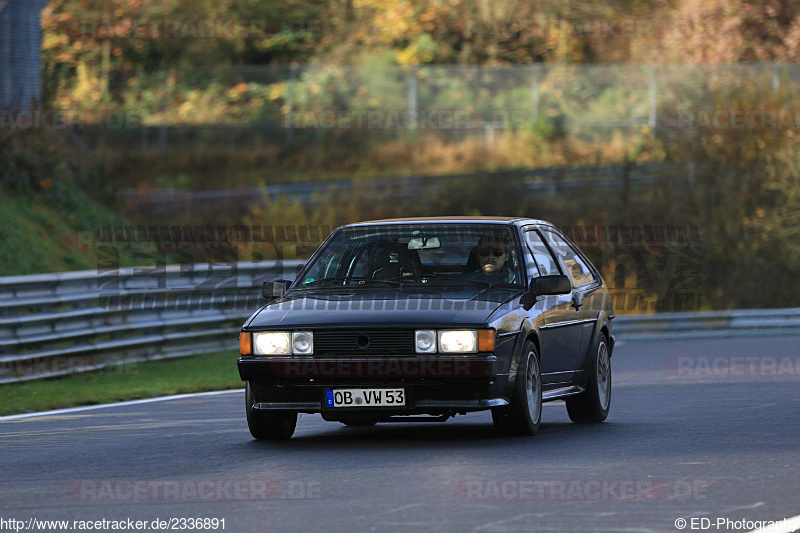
(433,384)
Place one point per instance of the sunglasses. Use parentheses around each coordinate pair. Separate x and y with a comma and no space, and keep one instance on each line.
(495,252)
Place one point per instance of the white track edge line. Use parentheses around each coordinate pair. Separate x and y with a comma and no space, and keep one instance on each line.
(117,404)
(787,525)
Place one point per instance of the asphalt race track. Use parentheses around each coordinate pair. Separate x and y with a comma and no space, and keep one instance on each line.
(696,430)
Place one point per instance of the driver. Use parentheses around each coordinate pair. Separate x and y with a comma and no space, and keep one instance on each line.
(492,253)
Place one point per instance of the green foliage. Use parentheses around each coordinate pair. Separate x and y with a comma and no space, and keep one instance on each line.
(208,372)
(546,128)
(39,234)
(745,194)
(39,210)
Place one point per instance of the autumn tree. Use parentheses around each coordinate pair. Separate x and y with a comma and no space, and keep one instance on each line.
(732,31)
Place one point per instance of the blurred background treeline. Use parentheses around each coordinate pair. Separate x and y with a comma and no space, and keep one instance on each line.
(542,87)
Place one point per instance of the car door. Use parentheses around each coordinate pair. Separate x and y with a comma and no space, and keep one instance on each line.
(582,307)
(560,336)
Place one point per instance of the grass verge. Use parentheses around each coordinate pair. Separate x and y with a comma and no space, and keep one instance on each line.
(207,372)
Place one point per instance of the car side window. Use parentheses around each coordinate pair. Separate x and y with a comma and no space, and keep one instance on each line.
(575,267)
(541,256)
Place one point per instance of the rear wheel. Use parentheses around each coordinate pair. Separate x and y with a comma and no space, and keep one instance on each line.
(267,425)
(592,405)
(524,414)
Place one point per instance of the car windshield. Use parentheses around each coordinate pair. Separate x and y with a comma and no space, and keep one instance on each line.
(479,255)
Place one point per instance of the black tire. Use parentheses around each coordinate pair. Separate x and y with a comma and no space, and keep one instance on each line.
(592,405)
(268,425)
(524,414)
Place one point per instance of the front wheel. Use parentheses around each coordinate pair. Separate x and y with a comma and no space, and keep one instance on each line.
(524,414)
(266,425)
(593,404)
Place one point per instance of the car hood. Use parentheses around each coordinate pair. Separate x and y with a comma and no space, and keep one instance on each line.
(356,308)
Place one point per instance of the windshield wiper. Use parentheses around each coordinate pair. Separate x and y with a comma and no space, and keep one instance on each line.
(356,281)
(424,277)
(451,277)
(458,280)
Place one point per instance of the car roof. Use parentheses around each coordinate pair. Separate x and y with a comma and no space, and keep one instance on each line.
(451,220)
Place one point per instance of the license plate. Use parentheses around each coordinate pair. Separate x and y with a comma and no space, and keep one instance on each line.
(365,398)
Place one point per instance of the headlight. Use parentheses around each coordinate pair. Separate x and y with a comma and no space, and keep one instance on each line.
(283,343)
(462,341)
(425,341)
(272,343)
(302,343)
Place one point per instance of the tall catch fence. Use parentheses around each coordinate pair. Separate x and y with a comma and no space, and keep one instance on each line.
(252,106)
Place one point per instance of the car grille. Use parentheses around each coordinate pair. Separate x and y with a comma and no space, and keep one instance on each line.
(363,342)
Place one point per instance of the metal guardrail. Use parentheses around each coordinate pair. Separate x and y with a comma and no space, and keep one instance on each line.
(58,324)
(542,182)
(709,324)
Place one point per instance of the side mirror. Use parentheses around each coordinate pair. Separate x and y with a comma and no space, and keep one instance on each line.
(546,285)
(275,289)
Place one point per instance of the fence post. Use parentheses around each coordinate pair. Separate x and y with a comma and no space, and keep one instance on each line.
(162,133)
(412,90)
(411,95)
(488,132)
(105,68)
(535,92)
(776,81)
(290,100)
(651,118)
(625,179)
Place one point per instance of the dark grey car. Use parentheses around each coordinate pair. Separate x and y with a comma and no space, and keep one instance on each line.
(423,319)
